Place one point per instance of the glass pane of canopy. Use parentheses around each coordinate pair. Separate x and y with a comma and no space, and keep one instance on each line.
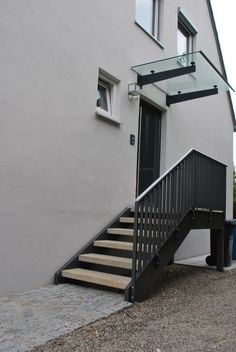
(206,76)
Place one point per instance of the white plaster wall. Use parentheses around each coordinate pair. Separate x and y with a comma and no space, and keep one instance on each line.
(64,173)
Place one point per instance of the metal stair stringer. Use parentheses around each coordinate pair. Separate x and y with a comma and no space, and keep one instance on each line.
(149,276)
(140,290)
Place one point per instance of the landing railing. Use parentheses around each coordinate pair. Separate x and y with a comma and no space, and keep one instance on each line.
(196,181)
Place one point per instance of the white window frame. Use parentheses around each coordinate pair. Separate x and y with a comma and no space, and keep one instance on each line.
(156,19)
(111,84)
(155,31)
(108,90)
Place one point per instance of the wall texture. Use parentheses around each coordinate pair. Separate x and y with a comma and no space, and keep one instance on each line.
(65,173)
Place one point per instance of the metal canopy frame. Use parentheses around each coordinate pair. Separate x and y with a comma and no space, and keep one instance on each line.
(161,76)
(196,65)
(178,98)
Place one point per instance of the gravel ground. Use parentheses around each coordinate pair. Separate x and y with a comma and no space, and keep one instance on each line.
(191,310)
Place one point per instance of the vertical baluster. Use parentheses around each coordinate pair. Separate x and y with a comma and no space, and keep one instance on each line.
(150,226)
(174,182)
(159,227)
(171,195)
(191,184)
(195,200)
(140,235)
(183,188)
(163,225)
(205,190)
(168,201)
(194,182)
(203,183)
(155,217)
(212,186)
(177,196)
(135,244)
(198,188)
(166,208)
(145,232)
(212,182)
(199,180)
(224,189)
(209,184)
(221,193)
(179,191)
(205,177)
(187,184)
(217,187)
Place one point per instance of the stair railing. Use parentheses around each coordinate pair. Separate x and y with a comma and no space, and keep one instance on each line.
(196,181)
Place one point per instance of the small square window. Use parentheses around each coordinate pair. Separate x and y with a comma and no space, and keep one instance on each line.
(107,97)
(148,16)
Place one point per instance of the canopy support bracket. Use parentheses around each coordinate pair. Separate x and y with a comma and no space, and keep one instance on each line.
(173,99)
(161,76)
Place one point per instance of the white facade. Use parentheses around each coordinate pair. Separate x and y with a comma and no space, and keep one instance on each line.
(65,172)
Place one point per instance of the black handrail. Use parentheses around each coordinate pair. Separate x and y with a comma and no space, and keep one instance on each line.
(197,181)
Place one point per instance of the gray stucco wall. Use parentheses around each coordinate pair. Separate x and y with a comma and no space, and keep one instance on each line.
(64,172)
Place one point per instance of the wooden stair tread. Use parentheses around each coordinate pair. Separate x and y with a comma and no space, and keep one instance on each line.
(97,277)
(130,220)
(127,219)
(128,246)
(120,231)
(126,232)
(109,260)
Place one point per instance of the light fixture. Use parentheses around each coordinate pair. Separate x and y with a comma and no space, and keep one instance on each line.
(133,91)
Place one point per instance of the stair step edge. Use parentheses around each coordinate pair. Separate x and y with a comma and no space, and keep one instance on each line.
(120,231)
(97,277)
(108,260)
(114,244)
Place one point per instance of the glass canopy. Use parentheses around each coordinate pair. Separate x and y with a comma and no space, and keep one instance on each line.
(182,74)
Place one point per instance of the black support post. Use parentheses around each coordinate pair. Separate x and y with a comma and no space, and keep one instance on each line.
(220,250)
(211,259)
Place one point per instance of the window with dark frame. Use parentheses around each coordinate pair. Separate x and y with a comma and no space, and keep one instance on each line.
(184,40)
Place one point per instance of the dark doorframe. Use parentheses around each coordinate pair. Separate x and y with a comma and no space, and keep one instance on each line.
(149,146)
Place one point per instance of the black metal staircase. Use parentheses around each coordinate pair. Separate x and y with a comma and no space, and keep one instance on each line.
(133,250)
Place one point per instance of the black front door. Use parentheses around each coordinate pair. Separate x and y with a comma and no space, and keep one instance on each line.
(149,146)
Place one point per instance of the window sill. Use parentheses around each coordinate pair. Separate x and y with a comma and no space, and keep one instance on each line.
(150,36)
(105,115)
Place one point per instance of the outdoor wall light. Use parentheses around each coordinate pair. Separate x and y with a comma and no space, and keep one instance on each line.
(133,91)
